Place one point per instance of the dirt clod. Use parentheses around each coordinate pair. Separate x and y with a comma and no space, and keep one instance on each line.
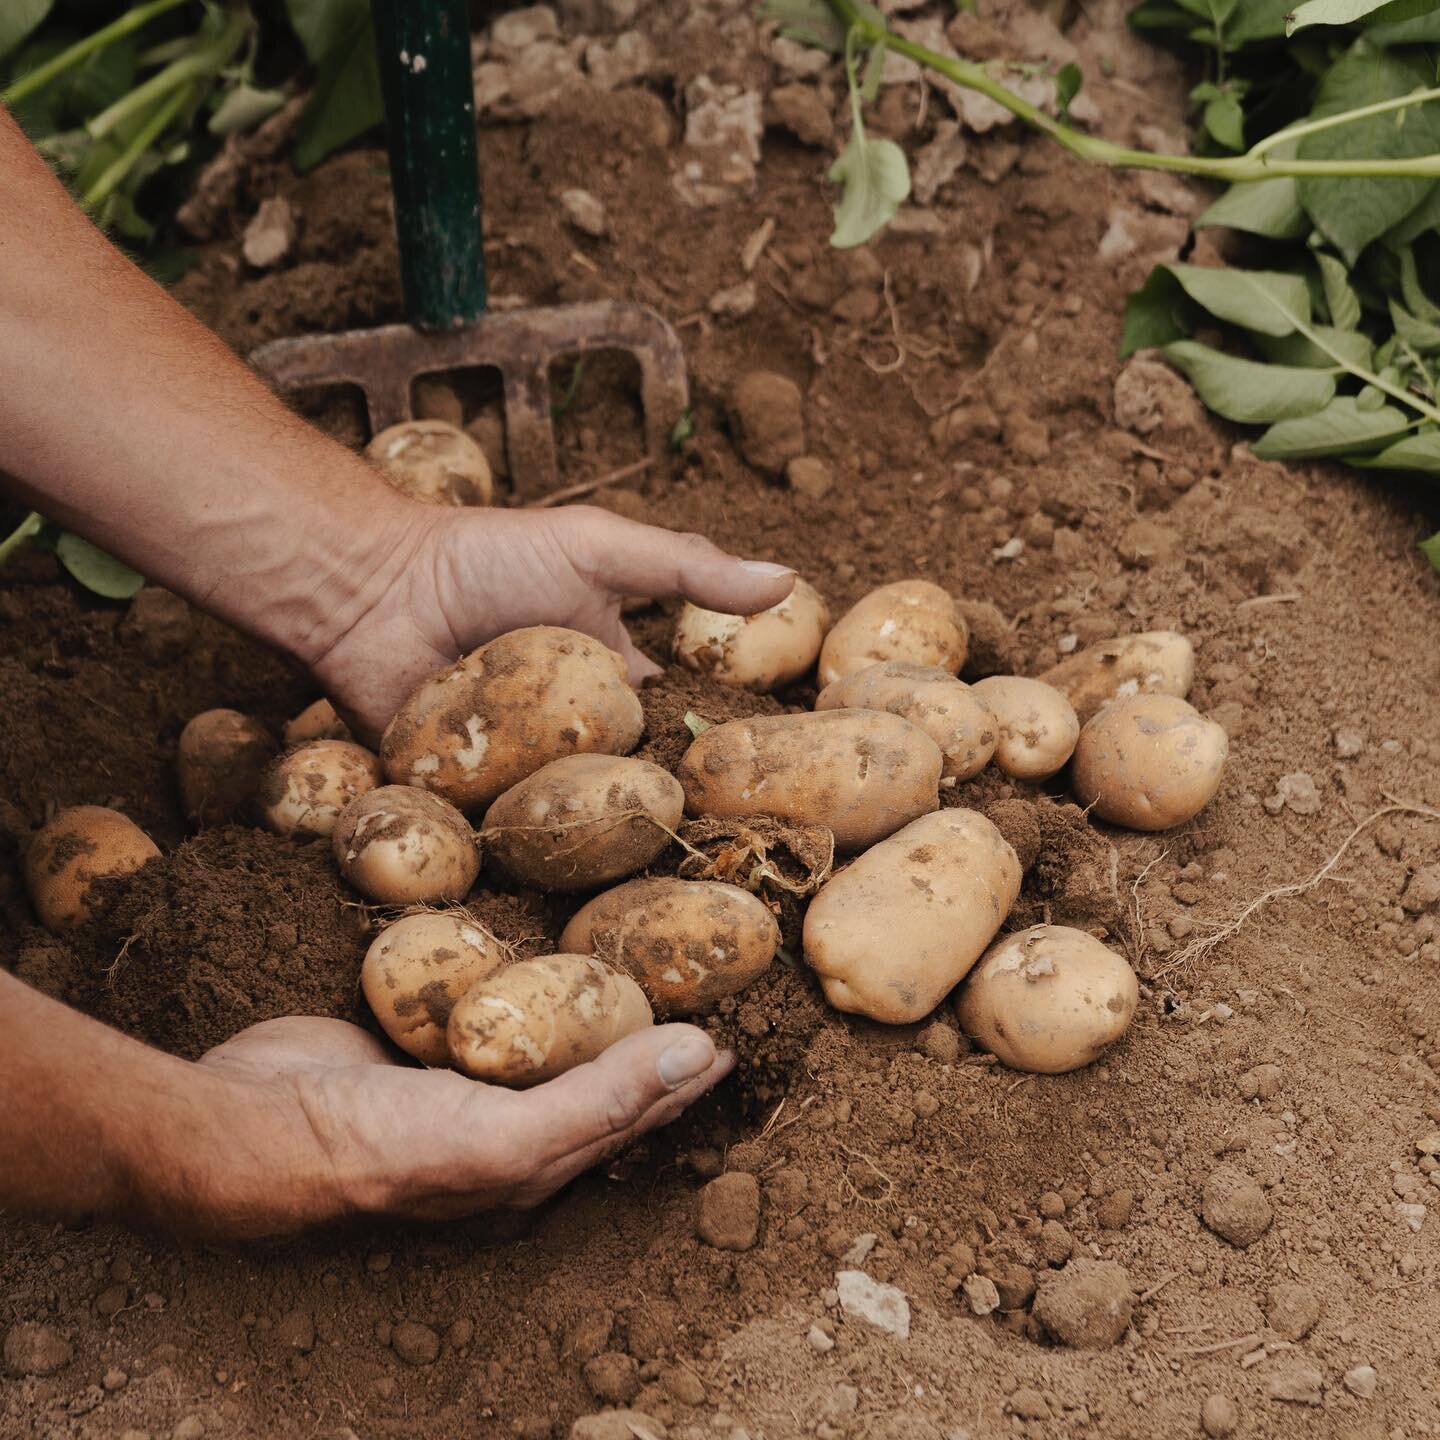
(35,1349)
(768,417)
(1293,1310)
(1235,1207)
(728,1216)
(414,1343)
(1086,1305)
(1219,1416)
(613,1377)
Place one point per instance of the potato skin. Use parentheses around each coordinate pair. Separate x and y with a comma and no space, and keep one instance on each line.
(893,933)
(1155,662)
(758,652)
(1038,729)
(861,772)
(416,969)
(945,708)
(303,792)
(539,1018)
(79,846)
(687,943)
(221,756)
(401,846)
(317,721)
(1048,999)
(1148,762)
(910,620)
(558,828)
(434,462)
(473,730)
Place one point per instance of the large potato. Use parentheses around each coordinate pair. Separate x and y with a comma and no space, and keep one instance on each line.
(416,969)
(539,1018)
(525,699)
(1038,729)
(688,943)
(910,620)
(1048,999)
(401,846)
(893,933)
(759,652)
(303,792)
(1157,662)
(945,708)
(584,821)
(1148,762)
(221,757)
(434,462)
(78,847)
(861,772)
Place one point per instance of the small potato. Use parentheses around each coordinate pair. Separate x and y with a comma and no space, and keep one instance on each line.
(1038,729)
(304,791)
(861,772)
(910,620)
(893,933)
(471,732)
(1157,662)
(416,969)
(583,822)
(315,722)
(401,846)
(433,461)
(539,1018)
(945,708)
(760,652)
(1047,999)
(78,847)
(221,757)
(688,943)
(1148,762)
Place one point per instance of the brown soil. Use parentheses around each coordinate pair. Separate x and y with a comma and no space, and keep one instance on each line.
(1304,1050)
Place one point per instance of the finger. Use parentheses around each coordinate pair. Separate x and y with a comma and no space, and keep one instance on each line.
(295,1042)
(638,664)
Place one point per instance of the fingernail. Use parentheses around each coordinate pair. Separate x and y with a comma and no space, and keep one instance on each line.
(765,568)
(684,1060)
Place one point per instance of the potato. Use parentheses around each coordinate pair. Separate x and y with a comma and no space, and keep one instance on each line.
(1148,762)
(315,722)
(78,847)
(401,846)
(1047,999)
(910,620)
(893,933)
(221,757)
(539,1018)
(861,772)
(303,792)
(416,969)
(525,699)
(1038,729)
(1157,662)
(688,943)
(583,822)
(760,652)
(945,708)
(433,461)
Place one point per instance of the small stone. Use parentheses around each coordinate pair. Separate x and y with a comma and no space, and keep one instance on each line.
(734,302)
(1029,1404)
(1348,743)
(883,1306)
(859,1249)
(191,1427)
(270,235)
(1293,1311)
(1422,890)
(35,1349)
(980,1294)
(1296,1385)
(819,1340)
(613,1378)
(1144,543)
(1429,1144)
(1361,1381)
(1086,1305)
(729,1211)
(683,1385)
(1413,1214)
(1219,1416)
(1296,792)
(800,110)
(585,212)
(810,477)
(414,1343)
(1235,1207)
(295,1330)
(767,413)
(618,1425)
(114,1379)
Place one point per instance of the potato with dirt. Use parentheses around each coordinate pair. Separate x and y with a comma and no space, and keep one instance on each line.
(863,773)
(760,652)
(418,968)
(537,1019)
(909,620)
(303,792)
(219,763)
(1148,762)
(505,710)
(434,462)
(687,943)
(1155,662)
(945,708)
(317,721)
(583,821)
(1037,727)
(401,846)
(79,847)
(1048,999)
(891,935)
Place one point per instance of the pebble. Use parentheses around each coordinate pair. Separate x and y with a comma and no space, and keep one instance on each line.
(35,1349)
(1348,743)
(812,478)
(1361,1381)
(734,302)
(728,1216)
(1413,1214)
(613,1378)
(883,1306)
(768,416)
(1296,792)
(1429,1144)
(980,1294)
(115,1379)
(683,1385)
(414,1343)
(270,235)
(1293,1311)
(1235,1207)
(585,212)
(1297,1384)
(1218,1416)
(1086,1305)
(819,1340)
(192,1427)
(618,1425)
(1029,1404)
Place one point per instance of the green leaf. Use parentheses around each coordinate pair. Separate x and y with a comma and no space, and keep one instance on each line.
(876,177)
(1225,121)
(346,100)
(1068,81)
(1431,550)
(1155,314)
(1340,299)
(243,108)
(325,25)
(1350,345)
(1389,30)
(1422,336)
(18,18)
(1348,12)
(697,725)
(874,73)
(1415,452)
(1246,391)
(1338,429)
(1261,207)
(1257,20)
(811,22)
(683,429)
(1416,300)
(1267,301)
(96,570)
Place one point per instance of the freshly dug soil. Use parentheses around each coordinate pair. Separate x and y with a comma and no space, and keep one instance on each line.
(959,377)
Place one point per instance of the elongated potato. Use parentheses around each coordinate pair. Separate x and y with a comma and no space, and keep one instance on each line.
(910,620)
(434,462)
(1048,999)
(1148,762)
(861,772)
(1038,729)
(687,943)
(893,933)
(537,1019)
(79,846)
(584,821)
(303,792)
(401,846)
(1156,662)
(221,757)
(759,652)
(472,731)
(945,708)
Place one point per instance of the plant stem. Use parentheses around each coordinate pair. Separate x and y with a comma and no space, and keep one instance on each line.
(29,526)
(115,172)
(1329,122)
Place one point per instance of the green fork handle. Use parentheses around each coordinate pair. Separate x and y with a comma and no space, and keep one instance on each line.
(424,54)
